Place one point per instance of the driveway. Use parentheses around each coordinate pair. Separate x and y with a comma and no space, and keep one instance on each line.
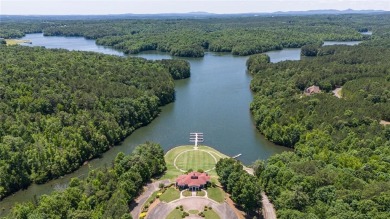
(139,202)
(192,203)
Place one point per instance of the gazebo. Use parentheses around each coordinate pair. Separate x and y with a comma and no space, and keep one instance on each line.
(193,181)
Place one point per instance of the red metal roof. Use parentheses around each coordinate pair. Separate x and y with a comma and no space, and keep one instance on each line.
(193,179)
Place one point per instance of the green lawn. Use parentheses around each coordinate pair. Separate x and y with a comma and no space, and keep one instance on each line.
(193,211)
(187,193)
(211,214)
(152,197)
(175,214)
(216,194)
(170,194)
(196,159)
(200,193)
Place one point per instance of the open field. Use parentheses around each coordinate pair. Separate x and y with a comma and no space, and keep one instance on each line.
(11,42)
(181,159)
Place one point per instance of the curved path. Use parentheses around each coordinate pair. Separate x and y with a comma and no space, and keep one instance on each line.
(139,202)
(268,208)
(192,203)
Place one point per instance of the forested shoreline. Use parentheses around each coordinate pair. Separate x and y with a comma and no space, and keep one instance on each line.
(61,108)
(106,192)
(340,164)
(193,37)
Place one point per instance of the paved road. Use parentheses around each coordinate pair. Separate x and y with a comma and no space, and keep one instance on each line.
(139,202)
(192,203)
(268,208)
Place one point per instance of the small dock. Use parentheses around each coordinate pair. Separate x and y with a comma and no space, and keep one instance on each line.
(196,137)
(236,156)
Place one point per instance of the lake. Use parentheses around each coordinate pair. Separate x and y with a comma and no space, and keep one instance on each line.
(215,101)
(348,43)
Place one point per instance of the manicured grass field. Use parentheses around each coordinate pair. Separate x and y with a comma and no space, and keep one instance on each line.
(200,193)
(170,194)
(194,159)
(175,214)
(187,193)
(216,194)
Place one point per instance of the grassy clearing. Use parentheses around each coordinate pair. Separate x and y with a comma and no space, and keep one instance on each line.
(216,194)
(175,214)
(196,160)
(11,42)
(170,194)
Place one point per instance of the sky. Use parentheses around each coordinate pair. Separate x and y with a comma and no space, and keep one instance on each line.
(89,7)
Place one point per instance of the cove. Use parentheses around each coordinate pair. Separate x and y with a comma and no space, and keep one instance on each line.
(214,100)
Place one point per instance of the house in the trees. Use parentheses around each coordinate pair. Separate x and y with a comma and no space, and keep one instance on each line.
(193,181)
(312,90)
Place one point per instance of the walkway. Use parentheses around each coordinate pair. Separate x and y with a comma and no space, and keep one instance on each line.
(139,202)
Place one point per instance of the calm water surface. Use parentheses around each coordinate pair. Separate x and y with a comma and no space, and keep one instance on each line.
(215,101)
(348,43)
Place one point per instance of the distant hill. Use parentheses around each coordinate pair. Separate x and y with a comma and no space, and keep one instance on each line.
(196,14)
(331,11)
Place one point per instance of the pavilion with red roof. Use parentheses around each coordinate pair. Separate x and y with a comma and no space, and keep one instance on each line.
(193,181)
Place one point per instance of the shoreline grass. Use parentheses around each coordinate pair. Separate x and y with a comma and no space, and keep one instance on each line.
(11,42)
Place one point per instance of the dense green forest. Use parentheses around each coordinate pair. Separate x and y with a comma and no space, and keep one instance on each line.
(60,108)
(340,167)
(192,37)
(244,189)
(105,193)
